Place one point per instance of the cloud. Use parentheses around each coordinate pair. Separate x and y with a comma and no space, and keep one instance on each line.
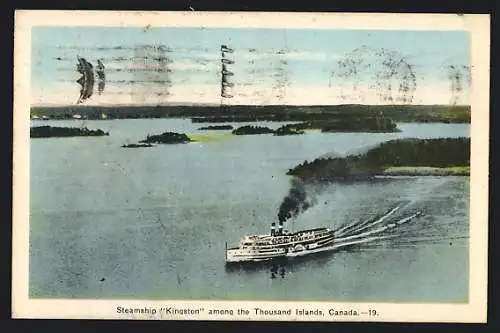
(254,95)
(315,56)
(186,65)
(289,55)
(195,64)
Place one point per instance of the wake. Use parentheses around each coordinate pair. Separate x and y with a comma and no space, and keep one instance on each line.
(368,231)
(355,234)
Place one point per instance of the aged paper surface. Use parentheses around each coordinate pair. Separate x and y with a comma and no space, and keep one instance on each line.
(148,144)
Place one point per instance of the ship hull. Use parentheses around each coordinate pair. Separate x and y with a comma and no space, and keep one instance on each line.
(281,248)
(242,258)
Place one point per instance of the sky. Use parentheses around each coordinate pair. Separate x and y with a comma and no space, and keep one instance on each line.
(271,66)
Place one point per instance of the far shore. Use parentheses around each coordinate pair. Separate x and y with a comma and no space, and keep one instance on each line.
(257,113)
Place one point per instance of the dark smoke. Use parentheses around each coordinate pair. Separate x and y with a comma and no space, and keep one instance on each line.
(296,202)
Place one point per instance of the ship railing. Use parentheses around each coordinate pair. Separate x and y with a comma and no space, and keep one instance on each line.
(292,241)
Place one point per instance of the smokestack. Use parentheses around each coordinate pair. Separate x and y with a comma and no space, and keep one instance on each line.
(272,228)
(280,228)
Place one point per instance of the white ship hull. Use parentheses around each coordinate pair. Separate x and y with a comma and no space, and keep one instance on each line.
(267,247)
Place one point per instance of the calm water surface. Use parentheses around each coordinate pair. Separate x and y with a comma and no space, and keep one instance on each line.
(109,222)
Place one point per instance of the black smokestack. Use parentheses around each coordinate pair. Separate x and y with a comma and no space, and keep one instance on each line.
(295,202)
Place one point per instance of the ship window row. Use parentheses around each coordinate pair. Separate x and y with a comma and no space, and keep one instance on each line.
(289,241)
(284,240)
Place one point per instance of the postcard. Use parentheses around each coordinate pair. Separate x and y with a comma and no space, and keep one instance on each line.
(251,166)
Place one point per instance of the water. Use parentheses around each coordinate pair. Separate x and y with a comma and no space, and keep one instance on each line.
(151,223)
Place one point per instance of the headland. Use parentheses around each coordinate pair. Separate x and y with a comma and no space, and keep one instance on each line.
(408,157)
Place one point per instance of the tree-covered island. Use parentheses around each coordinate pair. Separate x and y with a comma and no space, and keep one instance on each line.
(289,129)
(344,123)
(216,127)
(61,132)
(410,157)
(341,123)
(351,123)
(167,138)
(376,124)
(249,129)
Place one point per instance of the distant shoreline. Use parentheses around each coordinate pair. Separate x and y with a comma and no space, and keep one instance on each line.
(249,113)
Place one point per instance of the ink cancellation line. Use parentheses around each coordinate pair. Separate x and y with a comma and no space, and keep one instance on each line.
(133,93)
(226,83)
(86,80)
(165,48)
(125,70)
(127,59)
(154,47)
(131,82)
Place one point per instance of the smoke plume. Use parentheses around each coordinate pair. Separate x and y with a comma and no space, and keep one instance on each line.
(296,202)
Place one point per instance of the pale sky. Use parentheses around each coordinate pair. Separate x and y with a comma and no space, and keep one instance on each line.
(271,66)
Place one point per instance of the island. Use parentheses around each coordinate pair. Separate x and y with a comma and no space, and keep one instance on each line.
(167,138)
(137,145)
(289,129)
(249,129)
(401,157)
(216,127)
(376,124)
(350,123)
(59,132)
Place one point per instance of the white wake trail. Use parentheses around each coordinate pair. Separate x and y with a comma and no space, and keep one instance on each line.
(351,229)
(359,238)
(378,230)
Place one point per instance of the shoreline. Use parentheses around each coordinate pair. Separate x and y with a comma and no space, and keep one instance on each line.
(426,171)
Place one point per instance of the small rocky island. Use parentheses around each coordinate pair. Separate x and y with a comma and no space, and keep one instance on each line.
(216,127)
(61,132)
(249,129)
(137,145)
(290,129)
(378,124)
(167,138)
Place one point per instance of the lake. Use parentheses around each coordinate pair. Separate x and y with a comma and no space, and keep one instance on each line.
(151,223)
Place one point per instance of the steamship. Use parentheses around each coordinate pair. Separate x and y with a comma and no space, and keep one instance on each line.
(280,244)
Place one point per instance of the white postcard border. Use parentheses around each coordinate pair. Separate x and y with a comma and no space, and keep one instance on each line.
(473,311)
